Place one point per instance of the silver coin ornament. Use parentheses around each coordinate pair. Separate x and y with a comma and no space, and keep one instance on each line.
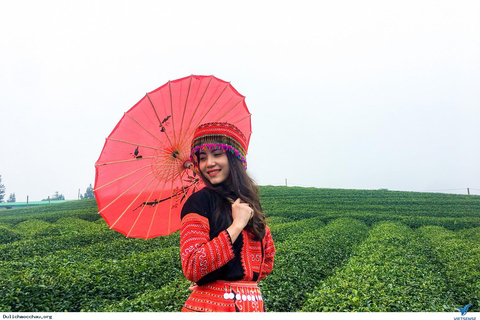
(243,297)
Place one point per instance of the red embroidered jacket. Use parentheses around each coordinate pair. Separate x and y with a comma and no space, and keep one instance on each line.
(206,260)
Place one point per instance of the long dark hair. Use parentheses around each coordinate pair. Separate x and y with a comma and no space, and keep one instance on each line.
(238,184)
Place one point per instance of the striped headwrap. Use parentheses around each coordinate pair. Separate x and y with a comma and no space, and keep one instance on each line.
(219,135)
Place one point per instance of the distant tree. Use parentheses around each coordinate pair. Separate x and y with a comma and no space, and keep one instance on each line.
(2,190)
(89,193)
(56,196)
(12,198)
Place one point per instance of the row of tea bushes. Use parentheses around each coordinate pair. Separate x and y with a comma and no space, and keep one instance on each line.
(52,284)
(169,298)
(98,242)
(299,203)
(47,244)
(285,231)
(84,209)
(393,270)
(8,236)
(41,221)
(459,256)
(34,228)
(306,258)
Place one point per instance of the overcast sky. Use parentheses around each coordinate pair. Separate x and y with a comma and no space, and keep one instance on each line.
(343,94)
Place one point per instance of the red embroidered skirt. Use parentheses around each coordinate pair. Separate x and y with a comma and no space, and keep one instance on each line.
(225,296)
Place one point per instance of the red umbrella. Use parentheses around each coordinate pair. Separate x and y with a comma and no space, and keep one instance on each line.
(144,173)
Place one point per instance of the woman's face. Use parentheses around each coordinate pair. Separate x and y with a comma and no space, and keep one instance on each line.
(213,164)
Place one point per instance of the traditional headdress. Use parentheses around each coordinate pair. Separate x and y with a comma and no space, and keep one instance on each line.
(219,135)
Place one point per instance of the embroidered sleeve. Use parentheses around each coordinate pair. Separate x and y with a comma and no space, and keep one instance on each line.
(199,254)
(269,251)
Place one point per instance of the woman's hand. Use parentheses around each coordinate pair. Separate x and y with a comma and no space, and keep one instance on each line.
(241,214)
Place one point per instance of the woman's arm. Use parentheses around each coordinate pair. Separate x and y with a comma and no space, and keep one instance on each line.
(199,254)
(269,252)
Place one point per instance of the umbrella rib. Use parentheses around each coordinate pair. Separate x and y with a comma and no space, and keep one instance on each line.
(143,208)
(131,203)
(233,107)
(184,191)
(159,121)
(128,174)
(163,188)
(169,213)
(184,137)
(186,103)
(124,161)
(169,169)
(171,112)
(211,107)
(170,165)
(238,121)
(155,137)
(154,110)
(133,144)
(140,180)
(198,105)
(155,210)
(183,187)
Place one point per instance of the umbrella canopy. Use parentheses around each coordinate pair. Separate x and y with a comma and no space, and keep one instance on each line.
(144,173)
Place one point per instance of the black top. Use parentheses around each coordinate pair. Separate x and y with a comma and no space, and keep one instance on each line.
(203,203)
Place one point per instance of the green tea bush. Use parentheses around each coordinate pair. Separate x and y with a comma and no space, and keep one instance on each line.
(470,234)
(7,235)
(375,205)
(459,257)
(169,298)
(69,226)
(29,228)
(305,259)
(391,271)
(276,220)
(119,249)
(47,245)
(284,231)
(452,223)
(83,209)
(51,284)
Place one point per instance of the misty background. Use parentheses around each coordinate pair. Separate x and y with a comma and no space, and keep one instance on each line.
(343,94)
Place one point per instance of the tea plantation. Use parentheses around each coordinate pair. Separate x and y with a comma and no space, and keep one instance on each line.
(337,250)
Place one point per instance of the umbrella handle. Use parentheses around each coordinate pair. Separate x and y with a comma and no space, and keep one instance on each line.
(187,164)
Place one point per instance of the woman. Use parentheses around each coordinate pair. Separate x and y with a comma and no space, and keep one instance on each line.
(226,246)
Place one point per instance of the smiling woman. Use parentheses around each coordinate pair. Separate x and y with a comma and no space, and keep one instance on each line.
(226,246)
(214,165)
